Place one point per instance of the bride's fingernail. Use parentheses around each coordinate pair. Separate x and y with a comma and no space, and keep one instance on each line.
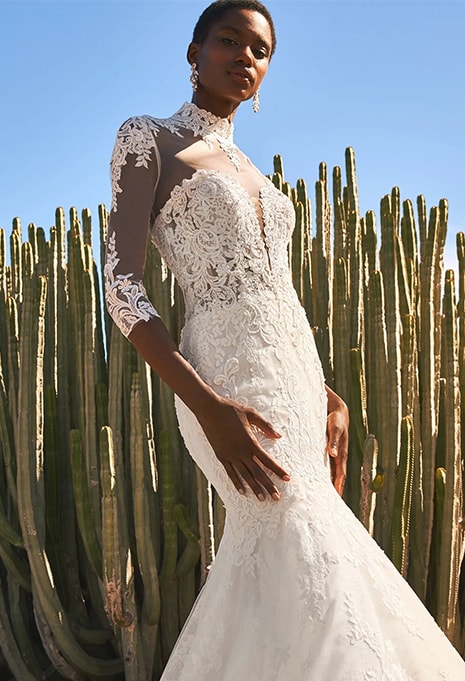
(286,477)
(241,490)
(276,496)
(261,496)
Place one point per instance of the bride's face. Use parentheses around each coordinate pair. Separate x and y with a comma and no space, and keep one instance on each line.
(232,60)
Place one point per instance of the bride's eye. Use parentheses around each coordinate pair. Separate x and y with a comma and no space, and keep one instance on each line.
(260,53)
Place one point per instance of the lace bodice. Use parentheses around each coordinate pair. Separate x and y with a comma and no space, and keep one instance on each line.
(210,235)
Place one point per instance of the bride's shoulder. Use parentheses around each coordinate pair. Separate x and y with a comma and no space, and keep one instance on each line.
(145,132)
(135,126)
(138,125)
(139,135)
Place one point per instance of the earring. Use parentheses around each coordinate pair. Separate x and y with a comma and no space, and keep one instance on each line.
(256,101)
(194,77)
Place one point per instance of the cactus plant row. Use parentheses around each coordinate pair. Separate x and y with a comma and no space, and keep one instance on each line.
(107,528)
(389,329)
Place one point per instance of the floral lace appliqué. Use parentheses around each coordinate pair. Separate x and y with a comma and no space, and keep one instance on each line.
(138,136)
(135,136)
(126,299)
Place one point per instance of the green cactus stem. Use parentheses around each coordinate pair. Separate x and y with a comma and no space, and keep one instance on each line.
(82,502)
(9,646)
(341,322)
(452,537)
(403,498)
(31,503)
(143,507)
(390,270)
(16,566)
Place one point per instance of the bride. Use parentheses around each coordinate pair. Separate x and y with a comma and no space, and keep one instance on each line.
(298,591)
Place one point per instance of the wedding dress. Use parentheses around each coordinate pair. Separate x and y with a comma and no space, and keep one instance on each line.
(298,590)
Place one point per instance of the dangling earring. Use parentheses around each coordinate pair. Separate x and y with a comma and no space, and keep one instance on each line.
(194,77)
(256,101)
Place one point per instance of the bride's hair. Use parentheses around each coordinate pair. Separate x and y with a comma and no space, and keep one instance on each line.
(216,10)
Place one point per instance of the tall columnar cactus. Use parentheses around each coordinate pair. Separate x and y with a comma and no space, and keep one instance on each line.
(452,532)
(403,498)
(390,451)
(53,621)
(118,567)
(461,335)
(432,238)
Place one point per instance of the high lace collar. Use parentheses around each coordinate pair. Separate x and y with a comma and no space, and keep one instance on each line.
(202,122)
(210,128)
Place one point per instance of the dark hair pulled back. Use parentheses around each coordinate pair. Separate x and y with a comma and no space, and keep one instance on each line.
(217,9)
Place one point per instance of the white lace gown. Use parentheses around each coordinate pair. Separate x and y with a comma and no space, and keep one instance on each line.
(298,590)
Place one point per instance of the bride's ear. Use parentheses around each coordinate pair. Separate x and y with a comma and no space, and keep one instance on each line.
(192,53)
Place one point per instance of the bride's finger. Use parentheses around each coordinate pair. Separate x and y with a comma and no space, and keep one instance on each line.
(257,480)
(236,480)
(338,476)
(271,464)
(265,426)
(258,472)
(332,447)
(249,479)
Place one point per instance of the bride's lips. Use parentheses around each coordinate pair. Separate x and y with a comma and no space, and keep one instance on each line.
(241,77)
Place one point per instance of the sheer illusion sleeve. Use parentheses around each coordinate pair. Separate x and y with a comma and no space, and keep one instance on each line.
(135,167)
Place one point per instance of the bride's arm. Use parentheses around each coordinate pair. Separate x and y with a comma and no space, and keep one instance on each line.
(227,425)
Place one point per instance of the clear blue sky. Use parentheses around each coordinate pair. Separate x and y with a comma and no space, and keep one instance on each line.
(382,76)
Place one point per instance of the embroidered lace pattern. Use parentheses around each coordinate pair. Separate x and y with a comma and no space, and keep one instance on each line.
(138,136)
(126,298)
(210,128)
(125,295)
(135,136)
(298,590)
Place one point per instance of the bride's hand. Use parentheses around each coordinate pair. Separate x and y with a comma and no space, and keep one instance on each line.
(228,427)
(337,439)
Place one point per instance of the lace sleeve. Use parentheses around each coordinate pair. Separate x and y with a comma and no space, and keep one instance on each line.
(135,166)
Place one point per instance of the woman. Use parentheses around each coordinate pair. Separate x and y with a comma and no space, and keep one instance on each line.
(298,591)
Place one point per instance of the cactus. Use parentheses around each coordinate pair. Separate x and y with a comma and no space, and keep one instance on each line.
(452,536)
(461,335)
(82,503)
(389,268)
(30,480)
(341,321)
(118,569)
(428,376)
(9,645)
(403,498)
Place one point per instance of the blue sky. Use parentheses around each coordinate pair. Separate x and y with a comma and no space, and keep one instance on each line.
(382,76)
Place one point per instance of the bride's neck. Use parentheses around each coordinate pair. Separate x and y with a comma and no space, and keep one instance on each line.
(217,107)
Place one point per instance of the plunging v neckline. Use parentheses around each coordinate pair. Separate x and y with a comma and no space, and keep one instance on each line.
(256,202)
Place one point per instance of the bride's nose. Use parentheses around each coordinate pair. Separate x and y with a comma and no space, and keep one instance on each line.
(244,55)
